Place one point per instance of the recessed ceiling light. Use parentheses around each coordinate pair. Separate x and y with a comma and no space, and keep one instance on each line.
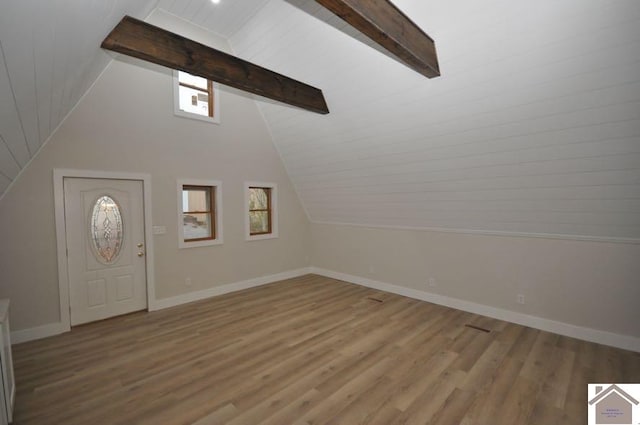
(215,1)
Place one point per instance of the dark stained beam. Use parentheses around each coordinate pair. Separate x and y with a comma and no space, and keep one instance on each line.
(141,40)
(386,25)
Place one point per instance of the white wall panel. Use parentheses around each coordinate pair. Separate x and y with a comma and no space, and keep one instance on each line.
(4,182)
(50,56)
(534,125)
(16,33)
(44,57)
(11,133)
(224,18)
(9,168)
(537,102)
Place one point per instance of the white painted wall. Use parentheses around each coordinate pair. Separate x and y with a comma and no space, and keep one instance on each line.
(582,283)
(126,123)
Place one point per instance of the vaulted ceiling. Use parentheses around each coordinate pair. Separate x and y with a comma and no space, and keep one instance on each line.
(533,127)
(50,56)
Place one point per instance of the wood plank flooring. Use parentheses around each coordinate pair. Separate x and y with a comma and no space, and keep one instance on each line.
(309,351)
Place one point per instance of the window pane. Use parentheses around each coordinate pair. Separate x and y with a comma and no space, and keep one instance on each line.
(196,199)
(258,198)
(196,226)
(193,101)
(192,80)
(106,229)
(259,222)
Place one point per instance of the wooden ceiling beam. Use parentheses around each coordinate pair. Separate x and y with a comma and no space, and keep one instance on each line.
(144,41)
(385,24)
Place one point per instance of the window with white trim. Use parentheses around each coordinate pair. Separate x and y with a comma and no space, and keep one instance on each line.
(199,213)
(195,97)
(261,210)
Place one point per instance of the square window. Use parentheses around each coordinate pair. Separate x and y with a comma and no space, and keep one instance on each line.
(195,97)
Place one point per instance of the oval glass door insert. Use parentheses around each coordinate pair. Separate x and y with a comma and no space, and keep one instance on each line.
(106,229)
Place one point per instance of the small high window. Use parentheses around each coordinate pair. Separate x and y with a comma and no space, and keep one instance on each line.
(261,210)
(199,213)
(195,97)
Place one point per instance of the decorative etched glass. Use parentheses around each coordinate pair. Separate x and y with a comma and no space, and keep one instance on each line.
(106,229)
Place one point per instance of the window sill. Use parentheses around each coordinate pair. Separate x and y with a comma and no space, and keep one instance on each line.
(192,116)
(261,237)
(197,244)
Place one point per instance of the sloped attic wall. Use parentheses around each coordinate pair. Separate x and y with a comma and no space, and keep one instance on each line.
(533,127)
(126,123)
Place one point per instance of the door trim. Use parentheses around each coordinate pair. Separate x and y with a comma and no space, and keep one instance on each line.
(61,241)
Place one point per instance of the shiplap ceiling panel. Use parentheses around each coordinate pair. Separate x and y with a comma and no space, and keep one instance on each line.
(50,56)
(11,135)
(534,126)
(4,182)
(452,107)
(617,82)
(223,18)
(8,166)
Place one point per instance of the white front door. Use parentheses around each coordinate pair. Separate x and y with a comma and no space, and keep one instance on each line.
(104,222)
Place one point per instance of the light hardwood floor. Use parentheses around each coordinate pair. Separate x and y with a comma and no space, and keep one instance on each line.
(310,350)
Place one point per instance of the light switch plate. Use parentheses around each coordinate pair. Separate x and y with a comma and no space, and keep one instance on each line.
(159,230)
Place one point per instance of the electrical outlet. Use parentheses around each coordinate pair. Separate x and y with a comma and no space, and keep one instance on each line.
(520,299)
(187,281)
(432,282)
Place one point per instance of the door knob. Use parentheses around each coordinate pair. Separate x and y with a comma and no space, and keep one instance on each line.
(140,254)
(140,245)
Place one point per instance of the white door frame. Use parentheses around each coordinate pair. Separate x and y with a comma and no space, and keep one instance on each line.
(63,274)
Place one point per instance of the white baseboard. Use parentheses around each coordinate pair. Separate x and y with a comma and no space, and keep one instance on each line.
(225,289)
(39,332)
(25,335)
(602,337)
(587,334)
